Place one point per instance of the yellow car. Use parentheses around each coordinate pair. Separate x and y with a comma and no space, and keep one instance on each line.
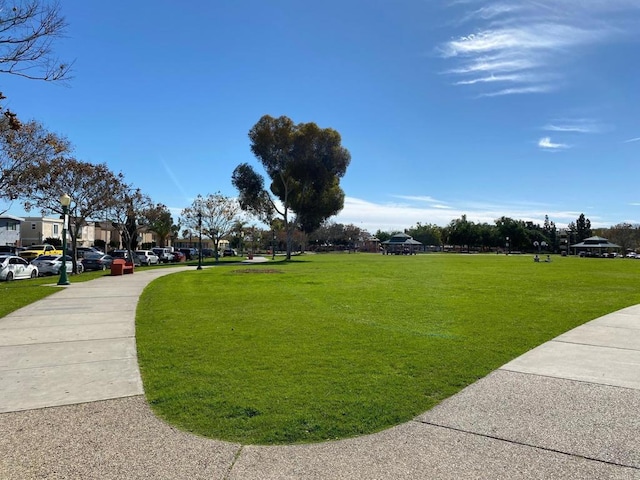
(34,251)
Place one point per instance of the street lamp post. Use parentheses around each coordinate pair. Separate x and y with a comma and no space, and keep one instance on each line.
(65,201)
(200,241)
(273,246)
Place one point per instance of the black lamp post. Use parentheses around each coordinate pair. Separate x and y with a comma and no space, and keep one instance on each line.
(273,246)
(65,201)
(200,241)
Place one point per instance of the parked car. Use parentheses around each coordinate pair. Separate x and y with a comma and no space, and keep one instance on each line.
(10,250)
(229,252)
(34,251)
(124,254)
(164,254)
(83,251)
(13,267)
(147,257)
(189,253)
(97,261)
(179,257)
(51,264)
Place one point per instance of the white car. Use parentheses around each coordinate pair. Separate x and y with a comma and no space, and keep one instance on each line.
(51,264)
(13,268)
(147,257)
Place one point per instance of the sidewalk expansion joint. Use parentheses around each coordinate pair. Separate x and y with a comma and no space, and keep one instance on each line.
(13,345)
(596,345)
(56,365)
(8,329)
(523,444)
(235,459)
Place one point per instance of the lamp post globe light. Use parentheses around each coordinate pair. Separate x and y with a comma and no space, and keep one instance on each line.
(65,201)
(200,241)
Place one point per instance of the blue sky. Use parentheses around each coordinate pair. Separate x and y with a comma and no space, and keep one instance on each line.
(484,108)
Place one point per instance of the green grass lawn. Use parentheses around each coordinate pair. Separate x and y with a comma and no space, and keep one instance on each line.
(333,346)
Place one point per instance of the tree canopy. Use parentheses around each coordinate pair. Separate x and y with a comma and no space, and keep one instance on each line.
(25,150)
(215,216)
(161,222)
(304,163)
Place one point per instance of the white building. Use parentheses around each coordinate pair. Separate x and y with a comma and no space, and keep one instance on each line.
(10,230)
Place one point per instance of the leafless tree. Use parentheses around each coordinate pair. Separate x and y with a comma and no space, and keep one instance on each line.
(217,213)
(130,213)
(27,32)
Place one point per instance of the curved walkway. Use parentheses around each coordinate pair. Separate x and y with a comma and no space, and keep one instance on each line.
(72,407)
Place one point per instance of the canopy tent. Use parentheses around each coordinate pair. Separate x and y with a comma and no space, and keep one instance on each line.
(401,243)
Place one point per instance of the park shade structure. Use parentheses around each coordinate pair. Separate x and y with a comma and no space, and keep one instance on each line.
(594,243)
(400,244)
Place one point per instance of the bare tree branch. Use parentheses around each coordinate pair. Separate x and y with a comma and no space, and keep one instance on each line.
(27,32)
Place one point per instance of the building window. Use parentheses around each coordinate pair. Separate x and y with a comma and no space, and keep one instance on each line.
(55,229)
(33,226)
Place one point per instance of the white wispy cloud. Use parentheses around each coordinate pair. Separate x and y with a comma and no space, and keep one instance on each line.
(419,198)
(637,139)
(546,144)
(578,125)
(517,90)
(494,78)
(373,216)
(521,44)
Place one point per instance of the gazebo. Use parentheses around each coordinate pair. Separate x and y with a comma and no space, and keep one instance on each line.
(401,244)
(594,243)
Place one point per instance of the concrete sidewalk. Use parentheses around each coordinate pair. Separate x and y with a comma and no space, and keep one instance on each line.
(567,409)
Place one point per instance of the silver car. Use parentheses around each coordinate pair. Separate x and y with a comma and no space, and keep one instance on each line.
(13,267)
(147,257)
(51,264)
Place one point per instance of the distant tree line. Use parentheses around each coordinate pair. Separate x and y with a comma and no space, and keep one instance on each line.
(465,235)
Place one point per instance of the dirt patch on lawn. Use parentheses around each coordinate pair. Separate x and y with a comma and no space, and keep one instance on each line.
(258,270)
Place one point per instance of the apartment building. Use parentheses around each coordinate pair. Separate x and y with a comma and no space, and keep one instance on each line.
(10,230)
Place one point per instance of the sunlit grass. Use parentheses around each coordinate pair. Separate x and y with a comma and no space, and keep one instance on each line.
(334,346)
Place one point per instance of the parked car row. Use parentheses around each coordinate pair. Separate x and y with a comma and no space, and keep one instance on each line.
(41,260)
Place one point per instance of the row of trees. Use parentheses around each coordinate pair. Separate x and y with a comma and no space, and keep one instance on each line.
(506,232)
(38,168)
(521,235)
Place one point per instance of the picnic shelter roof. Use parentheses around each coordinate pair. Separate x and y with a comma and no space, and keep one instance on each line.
(595,242)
